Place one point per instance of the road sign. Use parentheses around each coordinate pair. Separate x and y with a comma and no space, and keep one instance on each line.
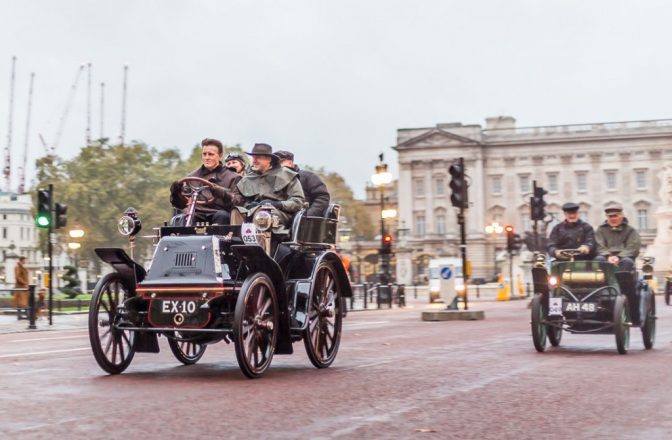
(446,273)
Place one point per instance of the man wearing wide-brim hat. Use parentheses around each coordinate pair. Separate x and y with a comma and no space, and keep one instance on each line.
(268,182)
(573,233)
(617,241)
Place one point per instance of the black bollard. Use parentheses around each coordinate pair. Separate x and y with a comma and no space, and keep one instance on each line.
(31,307)
(365,286)
(402,295)
(378,288)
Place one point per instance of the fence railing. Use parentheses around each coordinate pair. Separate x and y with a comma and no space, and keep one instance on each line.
(370,296)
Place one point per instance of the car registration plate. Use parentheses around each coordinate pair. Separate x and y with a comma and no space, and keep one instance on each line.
(579,307)
(248,232)
(172,306)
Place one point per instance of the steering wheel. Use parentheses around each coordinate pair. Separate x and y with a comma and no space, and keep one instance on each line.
(569,253)
(198,189)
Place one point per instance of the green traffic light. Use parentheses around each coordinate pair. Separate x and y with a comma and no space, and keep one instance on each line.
(42,221)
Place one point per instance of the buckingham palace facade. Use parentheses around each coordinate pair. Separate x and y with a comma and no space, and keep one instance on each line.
(590,164)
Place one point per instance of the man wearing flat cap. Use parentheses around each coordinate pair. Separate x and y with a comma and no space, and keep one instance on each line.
(268,182)
(573,233)
(617,241)
(314,188)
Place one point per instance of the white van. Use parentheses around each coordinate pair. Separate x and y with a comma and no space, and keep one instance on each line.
(435,265)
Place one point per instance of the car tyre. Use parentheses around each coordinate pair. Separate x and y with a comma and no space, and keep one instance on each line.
(538,328)
(112,348)
(649,323)
(256,325)
(322,335)
(554,335)
(184,351)
(622,324)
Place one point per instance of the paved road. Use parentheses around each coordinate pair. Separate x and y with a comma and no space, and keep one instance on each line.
(395,377)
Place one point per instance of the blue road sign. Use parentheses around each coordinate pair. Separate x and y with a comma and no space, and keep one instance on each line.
(446,273)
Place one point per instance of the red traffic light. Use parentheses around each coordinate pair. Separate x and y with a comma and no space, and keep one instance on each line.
(387,238)
(509,229)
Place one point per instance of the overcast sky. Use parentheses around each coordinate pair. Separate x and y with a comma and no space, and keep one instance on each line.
(330,80)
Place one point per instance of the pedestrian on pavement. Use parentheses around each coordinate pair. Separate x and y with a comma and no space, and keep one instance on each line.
(572,233)
(21,280)
(316,192)
(41,303)
(270,183)
(617,241)
(236,163)
(223,192)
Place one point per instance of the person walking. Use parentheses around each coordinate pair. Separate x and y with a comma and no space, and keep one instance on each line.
(22,278)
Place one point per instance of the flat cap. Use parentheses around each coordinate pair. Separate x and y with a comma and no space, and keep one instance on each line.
(284,154)
(613,208)
(570,207)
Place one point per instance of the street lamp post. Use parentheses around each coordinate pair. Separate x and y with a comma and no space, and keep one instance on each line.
(495,229)
(76,235)
(380,179)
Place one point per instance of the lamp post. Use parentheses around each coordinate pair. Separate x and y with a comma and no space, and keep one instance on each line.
(76,234)
(380,179)
(495,229)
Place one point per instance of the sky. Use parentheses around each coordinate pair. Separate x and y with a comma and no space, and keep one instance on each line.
(331,81)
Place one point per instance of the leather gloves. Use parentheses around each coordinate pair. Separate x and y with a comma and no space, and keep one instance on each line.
(277,204)
(584,249)
(220,192)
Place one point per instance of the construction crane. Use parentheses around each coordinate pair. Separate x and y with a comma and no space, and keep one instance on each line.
(51,150)
(7,171)
(88,105)
(22,174)
(102,110)
(122,135)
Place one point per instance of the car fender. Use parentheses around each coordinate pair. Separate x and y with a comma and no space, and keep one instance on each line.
(131,272)
(335,260)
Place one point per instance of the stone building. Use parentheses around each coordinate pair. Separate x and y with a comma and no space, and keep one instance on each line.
(590,164)
(18,235)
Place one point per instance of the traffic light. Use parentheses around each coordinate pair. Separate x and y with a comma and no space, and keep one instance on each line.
(43,219)
(386,247)
(458,185)
(537,203)
(510,239)
(60,214)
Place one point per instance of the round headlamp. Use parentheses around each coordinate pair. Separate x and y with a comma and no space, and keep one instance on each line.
(129,223)
(262,220)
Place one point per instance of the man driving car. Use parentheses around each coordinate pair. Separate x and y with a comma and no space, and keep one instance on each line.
(222,194)
(573,233)
(617,241)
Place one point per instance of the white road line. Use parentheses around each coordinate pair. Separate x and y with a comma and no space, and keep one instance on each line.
(45,339)
(360,324)
(37,353)
(374,364)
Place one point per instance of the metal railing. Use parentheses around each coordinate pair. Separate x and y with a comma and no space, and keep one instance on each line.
(29,310)
(372,296)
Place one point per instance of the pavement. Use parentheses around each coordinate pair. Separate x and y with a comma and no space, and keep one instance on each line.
(63,321)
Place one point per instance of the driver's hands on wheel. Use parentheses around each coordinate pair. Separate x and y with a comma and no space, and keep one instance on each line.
(584,249)
(559,254)
(220,192)
(277,204)
(613,259)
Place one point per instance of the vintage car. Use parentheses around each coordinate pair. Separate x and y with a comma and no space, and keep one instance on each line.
(239,283)
(591,297)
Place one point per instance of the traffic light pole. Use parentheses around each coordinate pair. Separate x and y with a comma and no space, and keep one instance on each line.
(51,261)
(463,252)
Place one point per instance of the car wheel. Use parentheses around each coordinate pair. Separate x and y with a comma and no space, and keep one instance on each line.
(554,335)
(649,324)
(622,324)
(112,348)
(256,325)
(184,351)
(538,328)
(325,316)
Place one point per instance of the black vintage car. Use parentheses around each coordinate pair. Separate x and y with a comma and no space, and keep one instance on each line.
(239,283)
(591,297)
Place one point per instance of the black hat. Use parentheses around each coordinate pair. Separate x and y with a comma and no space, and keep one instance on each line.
(570,207)
(284,154)
(264,150)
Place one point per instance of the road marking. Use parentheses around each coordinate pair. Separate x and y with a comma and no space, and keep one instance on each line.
(45,339)
(37,353)
(374,364)
(364,324)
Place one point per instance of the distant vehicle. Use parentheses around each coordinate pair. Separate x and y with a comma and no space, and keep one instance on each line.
(435,265)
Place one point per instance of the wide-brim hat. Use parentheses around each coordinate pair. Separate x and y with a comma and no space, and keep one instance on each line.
(264,150)
(570,207)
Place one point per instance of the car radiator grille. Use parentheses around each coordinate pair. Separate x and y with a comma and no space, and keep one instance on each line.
(185,259)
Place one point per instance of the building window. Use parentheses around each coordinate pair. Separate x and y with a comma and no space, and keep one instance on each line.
(419,188)
(441,224)
(420,225)
(643,218)
(581,182)
(640,179)
(440,187)
(553,183)
(4,232)
(611,180)
(22,234)
(496,184)
(524,184)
